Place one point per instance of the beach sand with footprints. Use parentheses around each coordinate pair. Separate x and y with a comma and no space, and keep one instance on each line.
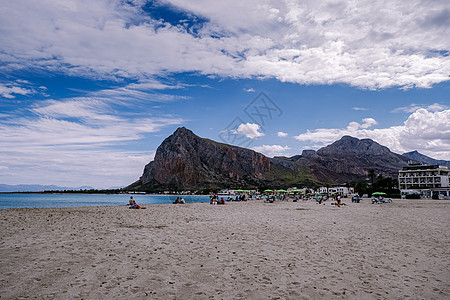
(242,250)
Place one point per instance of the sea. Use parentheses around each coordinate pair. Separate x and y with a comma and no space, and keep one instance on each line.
(22,200)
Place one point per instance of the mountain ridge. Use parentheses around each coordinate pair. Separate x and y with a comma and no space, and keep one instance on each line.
(421,158)
(6,188)
(185,161)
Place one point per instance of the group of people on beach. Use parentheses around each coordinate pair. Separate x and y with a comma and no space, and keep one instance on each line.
(356,199)
(214,199)
(380,199)
(337,200)
(179,201)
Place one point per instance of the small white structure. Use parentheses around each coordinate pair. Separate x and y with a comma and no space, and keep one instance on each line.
(338,190)
(323,190)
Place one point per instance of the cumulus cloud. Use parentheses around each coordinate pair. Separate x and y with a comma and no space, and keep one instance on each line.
(250,130)
(271,150)
(282,134)
(369,44)
(425,131)
(327,135)
(368,122)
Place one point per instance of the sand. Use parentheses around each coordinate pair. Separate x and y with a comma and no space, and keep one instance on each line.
(243,250)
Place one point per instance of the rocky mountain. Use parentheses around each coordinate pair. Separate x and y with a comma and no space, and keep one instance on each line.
(419,157)
(348,159)
(185,161)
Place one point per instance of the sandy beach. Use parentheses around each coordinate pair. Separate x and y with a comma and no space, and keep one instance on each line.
(243,250)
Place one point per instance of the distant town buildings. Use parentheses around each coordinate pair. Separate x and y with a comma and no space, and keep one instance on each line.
(426,180)
(338,190)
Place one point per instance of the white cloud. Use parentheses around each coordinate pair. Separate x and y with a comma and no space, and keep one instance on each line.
(369,44)
(282,134)
(69,166)
(77,140)
(359,108)
(327,135)
(250,130)
(414,107)
(271,150)
(425,131)
(368,122)
(249,90)
(10,90)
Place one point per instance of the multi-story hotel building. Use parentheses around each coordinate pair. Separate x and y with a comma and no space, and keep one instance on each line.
(427,180)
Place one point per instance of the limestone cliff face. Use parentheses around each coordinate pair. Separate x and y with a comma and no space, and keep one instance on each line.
(186,161)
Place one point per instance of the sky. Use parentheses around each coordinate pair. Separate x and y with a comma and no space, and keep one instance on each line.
(90,89)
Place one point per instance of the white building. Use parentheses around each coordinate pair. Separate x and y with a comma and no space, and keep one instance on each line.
(338,190)
(323,190)
(427,180)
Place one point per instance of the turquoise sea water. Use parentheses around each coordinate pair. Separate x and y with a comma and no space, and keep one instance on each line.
(75,200)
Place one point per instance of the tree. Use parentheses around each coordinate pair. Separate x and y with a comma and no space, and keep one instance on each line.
(371,174)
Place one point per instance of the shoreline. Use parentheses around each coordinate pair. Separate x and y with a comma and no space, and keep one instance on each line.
(242,250)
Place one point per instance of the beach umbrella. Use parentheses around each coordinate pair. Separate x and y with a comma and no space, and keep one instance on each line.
(239,191)
(379,194)
(268,191)
(282,191)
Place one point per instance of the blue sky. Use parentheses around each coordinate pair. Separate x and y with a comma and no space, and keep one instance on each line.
(89,89)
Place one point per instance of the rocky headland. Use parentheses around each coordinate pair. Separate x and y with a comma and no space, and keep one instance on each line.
(185,161)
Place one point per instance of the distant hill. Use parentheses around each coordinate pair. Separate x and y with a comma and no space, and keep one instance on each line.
(5,188)
(185,161)
(419,157)
(348,159)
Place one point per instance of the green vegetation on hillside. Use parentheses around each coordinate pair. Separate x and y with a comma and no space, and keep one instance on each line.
(281,177)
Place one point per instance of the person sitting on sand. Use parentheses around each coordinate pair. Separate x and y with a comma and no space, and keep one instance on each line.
(221,201)
(182,201)
(135,206)
(131,200)
(176,200)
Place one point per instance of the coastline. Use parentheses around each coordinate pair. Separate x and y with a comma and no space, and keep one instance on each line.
(242,250)
(9,201)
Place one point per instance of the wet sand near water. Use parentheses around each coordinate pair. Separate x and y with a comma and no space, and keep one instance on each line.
(242,250)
